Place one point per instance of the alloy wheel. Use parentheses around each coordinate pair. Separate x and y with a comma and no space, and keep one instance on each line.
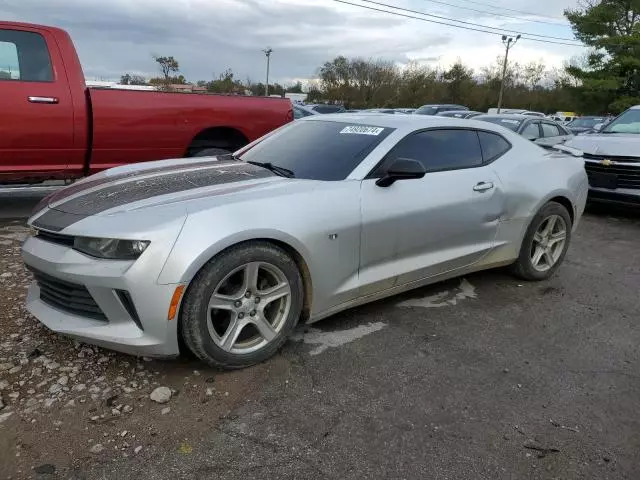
(249,307)
(548,243)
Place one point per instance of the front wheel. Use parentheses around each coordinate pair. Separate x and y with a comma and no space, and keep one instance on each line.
(545,243)
(241,307)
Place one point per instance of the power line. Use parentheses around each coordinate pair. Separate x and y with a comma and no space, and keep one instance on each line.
(485,4)
(447,24)
(502,30)
(496,14)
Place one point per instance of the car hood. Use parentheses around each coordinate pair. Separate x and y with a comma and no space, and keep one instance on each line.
(150,185)
(580,129)
(614,144)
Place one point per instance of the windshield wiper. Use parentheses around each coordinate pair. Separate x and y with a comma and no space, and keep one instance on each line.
(281,171)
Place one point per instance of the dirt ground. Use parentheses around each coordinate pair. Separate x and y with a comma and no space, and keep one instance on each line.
(483,377)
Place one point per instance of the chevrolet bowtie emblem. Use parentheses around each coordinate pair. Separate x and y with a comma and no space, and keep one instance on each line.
(606,162)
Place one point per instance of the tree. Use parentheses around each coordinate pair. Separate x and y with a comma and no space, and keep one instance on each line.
(167,65)
(532,74)
(459,80)
(296,88)
(166,83)
(226,83)
(610,78)
(359,83)
(128,79)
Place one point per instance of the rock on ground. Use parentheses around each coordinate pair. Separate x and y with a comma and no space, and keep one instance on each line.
(161,395)
(97,448)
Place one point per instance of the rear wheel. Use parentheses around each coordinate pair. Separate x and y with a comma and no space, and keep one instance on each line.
(241,307)
(545,243)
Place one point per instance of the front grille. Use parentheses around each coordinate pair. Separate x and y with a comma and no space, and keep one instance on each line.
(626,176)
(615,158)
(66,296)
(51,237)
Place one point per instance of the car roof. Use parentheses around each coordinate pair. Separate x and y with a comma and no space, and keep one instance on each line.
(510,116)
(442,105)
(406,123)
(459,112)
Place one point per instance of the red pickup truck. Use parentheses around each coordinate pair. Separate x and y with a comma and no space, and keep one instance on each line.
(53,127)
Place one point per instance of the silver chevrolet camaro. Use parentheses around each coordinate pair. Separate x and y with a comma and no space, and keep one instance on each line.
(225,255)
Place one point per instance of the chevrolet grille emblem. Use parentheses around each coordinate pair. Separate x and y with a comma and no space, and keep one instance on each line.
(606,162)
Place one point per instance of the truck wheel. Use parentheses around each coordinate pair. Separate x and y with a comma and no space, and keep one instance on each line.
(545,244)
(241,307)
(211,152)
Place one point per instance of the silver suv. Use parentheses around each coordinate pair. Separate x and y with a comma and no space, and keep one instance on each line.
(612,159)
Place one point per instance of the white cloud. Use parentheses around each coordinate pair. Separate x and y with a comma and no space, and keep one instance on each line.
(209,36)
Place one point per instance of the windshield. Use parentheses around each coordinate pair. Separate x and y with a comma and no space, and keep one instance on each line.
(426,110)
(628,122)
(510,123)
(318,150)
(585,122)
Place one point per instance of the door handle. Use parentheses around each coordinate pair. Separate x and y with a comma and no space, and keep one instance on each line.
(483,186)
(50,100)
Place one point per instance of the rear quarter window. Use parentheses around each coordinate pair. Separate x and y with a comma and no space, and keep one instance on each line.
(493,146)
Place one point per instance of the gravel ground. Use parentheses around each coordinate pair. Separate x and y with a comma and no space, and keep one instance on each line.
(483,377)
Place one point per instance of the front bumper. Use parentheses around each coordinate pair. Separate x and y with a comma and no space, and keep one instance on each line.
(620,196)
(150,334)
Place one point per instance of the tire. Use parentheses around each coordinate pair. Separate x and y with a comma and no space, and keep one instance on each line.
(524,267)
(205,330)
(211,152)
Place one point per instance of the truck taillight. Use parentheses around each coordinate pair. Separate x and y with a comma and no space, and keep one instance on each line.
(290,115)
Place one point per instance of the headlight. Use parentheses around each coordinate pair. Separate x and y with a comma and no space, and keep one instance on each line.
(110,247)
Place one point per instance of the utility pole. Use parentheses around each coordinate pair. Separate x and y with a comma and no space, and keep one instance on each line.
(508,42)
(267,51)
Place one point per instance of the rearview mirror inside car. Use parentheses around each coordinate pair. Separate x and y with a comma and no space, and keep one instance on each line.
(401,169)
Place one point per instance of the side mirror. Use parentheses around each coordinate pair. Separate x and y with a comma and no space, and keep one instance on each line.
(598,126)
(401,169)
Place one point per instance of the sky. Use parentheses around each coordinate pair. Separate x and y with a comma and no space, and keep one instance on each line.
(114,37)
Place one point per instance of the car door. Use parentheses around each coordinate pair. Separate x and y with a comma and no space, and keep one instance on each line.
(445,221)
(36,129)
(552,134)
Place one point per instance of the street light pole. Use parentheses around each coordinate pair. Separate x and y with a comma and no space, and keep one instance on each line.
(508,42)
(267,52)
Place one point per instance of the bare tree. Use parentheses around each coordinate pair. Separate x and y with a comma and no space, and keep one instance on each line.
(167,65)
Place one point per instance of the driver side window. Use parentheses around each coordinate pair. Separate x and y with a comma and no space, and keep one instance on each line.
(445,149)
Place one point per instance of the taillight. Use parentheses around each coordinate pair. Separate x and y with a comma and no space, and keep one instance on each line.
(290,115)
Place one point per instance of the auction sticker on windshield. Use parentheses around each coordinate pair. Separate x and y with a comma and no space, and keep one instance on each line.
(362,130)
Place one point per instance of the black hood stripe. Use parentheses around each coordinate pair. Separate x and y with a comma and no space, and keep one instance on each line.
(134,190)
(86,185)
